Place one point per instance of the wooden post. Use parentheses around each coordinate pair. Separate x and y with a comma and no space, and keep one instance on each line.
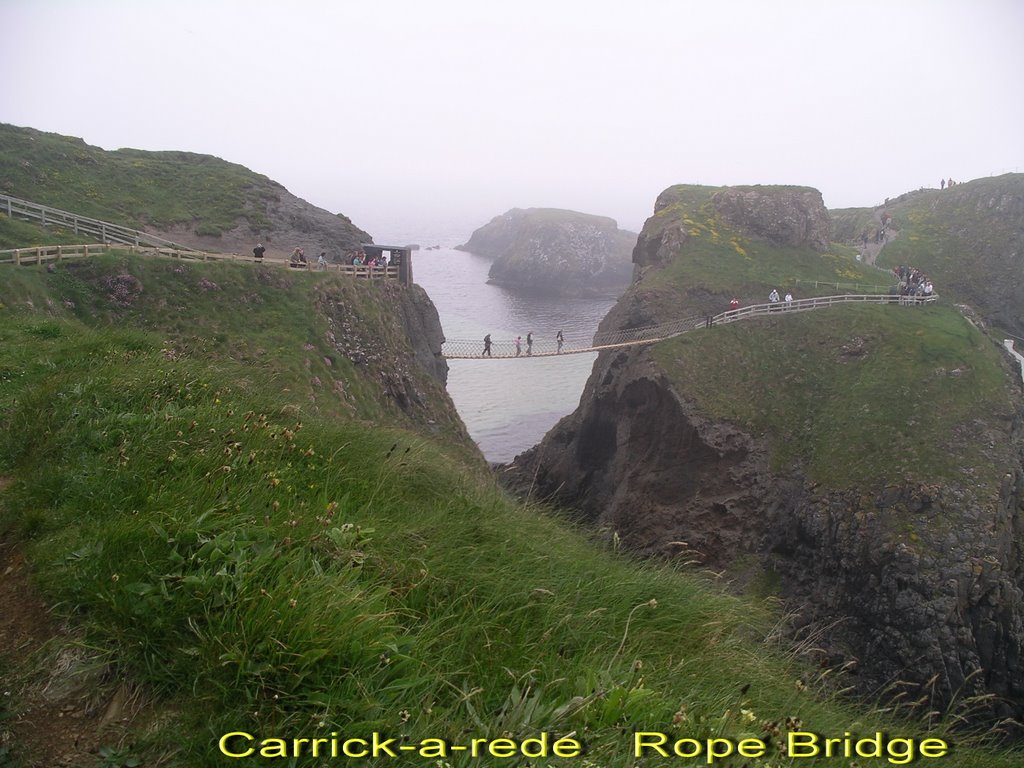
(60,253)
(17,256)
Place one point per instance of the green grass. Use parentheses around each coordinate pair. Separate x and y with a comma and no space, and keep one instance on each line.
(255,564)
(856,396)
(19,234)
(269,320)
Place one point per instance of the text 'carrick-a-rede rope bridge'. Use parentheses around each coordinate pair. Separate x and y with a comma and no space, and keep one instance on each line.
(463,349)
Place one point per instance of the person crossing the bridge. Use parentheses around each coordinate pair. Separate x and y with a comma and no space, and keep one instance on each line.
(560,339)
(519,345)
(529,343)
(773,299)
(487,346)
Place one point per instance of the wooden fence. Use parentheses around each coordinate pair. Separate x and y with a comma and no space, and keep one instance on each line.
(44,254)
(15,207)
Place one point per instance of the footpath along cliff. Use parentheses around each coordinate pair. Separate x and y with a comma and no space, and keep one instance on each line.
(864,464)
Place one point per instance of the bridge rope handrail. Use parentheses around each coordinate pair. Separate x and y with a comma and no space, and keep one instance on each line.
(455,349)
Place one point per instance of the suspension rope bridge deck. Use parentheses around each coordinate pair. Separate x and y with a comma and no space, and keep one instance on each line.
(465,349)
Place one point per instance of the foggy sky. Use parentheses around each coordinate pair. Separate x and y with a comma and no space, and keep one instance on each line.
(400,113)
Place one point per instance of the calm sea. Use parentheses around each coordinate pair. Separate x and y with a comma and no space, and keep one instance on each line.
(507,405)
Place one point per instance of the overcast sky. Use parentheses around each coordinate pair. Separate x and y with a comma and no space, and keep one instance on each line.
(398,113)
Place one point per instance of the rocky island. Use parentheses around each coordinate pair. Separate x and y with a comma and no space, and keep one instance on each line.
(554,251)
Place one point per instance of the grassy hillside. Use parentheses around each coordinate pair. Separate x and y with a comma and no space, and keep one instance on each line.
(969,239)
(858,395)
(15,233)
(130,187)
(247,560)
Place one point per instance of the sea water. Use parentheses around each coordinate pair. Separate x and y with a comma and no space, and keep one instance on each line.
(507,405)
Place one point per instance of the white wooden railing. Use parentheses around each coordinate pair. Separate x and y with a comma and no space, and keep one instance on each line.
(44,254)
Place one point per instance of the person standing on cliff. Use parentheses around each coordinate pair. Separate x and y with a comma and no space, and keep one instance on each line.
(258,251)
(487,346)
(560,339)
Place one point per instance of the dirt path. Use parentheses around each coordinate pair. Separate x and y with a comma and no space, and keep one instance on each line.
(56,709)
(869,251)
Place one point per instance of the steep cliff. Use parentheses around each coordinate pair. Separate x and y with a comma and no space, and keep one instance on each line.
(546,250)
(862,463)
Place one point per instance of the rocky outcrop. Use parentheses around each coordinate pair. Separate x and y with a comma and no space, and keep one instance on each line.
(551,251)
(915,587)
(399,353)
(284,222)
(791,216)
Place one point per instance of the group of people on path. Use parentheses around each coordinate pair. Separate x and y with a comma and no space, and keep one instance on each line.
(773,299)
(360,259)
(298,258)
(944,183)
(912,282)
(559,340)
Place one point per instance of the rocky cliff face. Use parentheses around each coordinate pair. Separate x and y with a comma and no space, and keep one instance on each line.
(908,586)
(790,216)
(543,250)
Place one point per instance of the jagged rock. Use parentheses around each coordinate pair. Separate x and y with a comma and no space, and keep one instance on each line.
(792,216)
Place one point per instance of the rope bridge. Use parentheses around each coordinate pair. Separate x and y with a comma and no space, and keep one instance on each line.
(465,349)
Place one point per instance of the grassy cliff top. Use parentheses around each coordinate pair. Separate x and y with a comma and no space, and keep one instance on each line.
(858,395)
(246,562)
(696,262)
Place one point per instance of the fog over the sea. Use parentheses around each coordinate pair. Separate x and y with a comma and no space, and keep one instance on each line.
(405,112)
